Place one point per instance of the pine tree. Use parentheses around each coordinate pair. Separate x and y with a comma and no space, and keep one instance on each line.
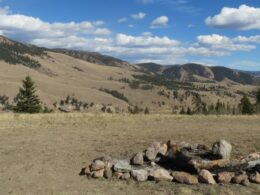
(189,112)
(26,100)
(246,106)
(258,97)
(146,111)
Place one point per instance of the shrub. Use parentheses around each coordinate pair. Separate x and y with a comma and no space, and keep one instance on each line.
(134,84)
(115,94)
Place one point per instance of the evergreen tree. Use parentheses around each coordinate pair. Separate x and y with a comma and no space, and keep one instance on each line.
(146,111)
(258,97)
(246,106)
(189,112)
(26,100)
(182,111)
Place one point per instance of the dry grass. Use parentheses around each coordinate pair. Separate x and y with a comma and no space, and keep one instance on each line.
(43,154)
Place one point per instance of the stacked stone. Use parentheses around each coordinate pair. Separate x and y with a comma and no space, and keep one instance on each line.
(180,162)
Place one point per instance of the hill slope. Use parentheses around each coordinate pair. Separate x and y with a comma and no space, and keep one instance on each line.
(95,58)
(59,74)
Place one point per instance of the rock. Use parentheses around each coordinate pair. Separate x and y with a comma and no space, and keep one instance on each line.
(222,149)
(159,174)
(206,177)
(153,164)
(225,177)
(172,152)
(108,173)
(87,171)
(118,175)
(140,175)
(202,147)
(255,178)
(239,179)
(99,173)
(184,178)
(122,166)
(97,165)
(125,176)
(255,164)
(66,108)
(253,156)
(245,182)
(138,159)
(151,154)
(160,148)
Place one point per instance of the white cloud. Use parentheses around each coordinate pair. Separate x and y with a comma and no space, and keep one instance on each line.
(121,20)
(131,26)
(138,16)
(243,18)
(130,41)
(28,27)
(161,21)
(216,41)
(147,34)
(250,39)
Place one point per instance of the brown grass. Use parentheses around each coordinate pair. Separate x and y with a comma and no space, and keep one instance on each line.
(43,154)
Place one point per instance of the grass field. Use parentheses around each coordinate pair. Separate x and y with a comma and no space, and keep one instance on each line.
(43,154)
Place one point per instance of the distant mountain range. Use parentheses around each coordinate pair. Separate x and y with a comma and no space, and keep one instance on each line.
(192,72)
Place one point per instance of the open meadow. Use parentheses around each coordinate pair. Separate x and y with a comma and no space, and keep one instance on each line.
(43,154)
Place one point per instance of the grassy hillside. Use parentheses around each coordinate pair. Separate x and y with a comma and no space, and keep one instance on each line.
(16,53)
(69,73)
(94,58)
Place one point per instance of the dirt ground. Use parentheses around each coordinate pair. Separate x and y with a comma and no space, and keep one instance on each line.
(43,154)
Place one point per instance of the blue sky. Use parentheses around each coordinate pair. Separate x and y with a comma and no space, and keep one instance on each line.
(215,32)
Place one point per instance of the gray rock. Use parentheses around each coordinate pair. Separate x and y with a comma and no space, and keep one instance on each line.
(122,166)
(138,159)
(159,174)
(140,175)
(206,177)
(151,153)
(222,149)
(66,108)
(97,165)
(125,176)
(255,164)
(245,182)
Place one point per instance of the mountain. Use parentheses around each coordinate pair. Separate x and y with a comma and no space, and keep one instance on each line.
(151,67)
(253,73)
(93,57)
(192,72)
(103,80)
(13,52)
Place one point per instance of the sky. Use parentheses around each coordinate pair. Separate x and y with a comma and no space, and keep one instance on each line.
(211,32)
